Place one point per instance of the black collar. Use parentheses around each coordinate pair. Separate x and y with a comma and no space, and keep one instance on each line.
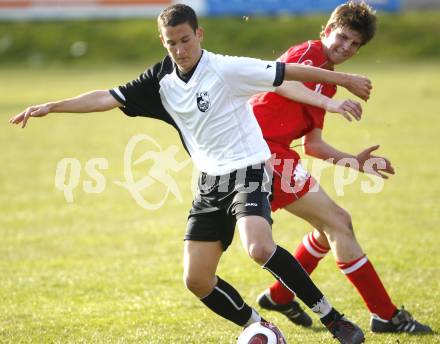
(185,77)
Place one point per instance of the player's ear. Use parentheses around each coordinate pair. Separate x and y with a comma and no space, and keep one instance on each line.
(200,33)
(162,40)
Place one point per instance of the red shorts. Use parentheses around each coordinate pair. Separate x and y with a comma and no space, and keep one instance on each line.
(291,181)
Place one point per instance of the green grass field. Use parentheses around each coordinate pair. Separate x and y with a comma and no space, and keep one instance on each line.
(104,270)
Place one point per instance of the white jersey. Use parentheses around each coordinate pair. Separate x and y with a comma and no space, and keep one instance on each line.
(210,110)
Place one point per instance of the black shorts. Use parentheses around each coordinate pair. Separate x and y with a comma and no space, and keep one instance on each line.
(221,200)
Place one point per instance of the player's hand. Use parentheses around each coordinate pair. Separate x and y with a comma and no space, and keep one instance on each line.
(359,85)
(347,108)
(379,166)
(32,111)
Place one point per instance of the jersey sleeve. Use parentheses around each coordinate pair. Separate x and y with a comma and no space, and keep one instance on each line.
(248,76)
(140,97)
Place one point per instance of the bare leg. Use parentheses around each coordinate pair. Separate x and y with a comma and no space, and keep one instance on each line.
(256,238)
(329,219)
(201,259)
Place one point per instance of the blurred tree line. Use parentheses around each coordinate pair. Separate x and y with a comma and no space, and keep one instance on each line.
(403,36)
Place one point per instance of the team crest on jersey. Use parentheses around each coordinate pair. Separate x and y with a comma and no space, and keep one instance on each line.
(308,63)
(203,101)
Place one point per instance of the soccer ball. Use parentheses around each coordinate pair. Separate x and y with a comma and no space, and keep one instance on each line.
(261,333)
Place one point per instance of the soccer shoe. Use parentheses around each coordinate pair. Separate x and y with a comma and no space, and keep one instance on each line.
(292,310)
(401,322)
(345,331)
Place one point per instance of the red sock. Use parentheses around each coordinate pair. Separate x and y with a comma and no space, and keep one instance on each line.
(308,254)
(362,275)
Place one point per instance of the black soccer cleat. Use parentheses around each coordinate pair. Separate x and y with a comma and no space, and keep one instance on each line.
(292,310)
(345,331)
(402,321)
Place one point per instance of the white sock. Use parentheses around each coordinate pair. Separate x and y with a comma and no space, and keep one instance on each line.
(322,307)
(255,317)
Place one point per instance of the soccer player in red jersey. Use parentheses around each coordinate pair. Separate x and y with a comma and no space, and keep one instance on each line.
(283,120)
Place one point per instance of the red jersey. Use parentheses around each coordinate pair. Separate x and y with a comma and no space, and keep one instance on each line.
(283,120)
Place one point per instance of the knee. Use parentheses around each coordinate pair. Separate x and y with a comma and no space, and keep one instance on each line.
(338,223)
(261,252)
(198,285)
(345,219)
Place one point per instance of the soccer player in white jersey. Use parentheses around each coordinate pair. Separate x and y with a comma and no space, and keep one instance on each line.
(204,96)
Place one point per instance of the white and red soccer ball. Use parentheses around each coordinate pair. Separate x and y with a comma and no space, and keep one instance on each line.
(261,333)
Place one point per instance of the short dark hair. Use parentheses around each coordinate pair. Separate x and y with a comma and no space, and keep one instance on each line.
(355,15)
(178,14)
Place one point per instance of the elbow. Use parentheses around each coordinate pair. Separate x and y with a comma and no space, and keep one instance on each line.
(105,102)
(311,150)
(308,149)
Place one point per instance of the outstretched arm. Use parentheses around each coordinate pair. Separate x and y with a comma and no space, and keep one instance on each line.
(315,146)
(356,84)
(95,101)
(298,92)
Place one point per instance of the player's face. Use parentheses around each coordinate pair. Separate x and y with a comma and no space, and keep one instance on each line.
(182,44)
(340,44)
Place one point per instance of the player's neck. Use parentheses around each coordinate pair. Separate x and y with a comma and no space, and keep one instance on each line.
(186,76)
